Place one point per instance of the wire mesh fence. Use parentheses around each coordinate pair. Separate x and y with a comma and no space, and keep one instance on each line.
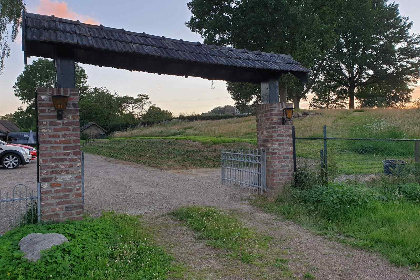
(244,168)
(20,206)
(341,159)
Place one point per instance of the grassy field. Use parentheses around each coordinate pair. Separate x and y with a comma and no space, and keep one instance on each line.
(184,139)
(373,123)
(163,153)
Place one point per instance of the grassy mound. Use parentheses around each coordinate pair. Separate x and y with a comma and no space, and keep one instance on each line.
(111,247)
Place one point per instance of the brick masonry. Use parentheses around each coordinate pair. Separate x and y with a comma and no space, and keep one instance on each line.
(59,157)
(277,140)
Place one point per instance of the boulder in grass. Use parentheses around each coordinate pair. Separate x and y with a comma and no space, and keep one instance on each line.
(34,243)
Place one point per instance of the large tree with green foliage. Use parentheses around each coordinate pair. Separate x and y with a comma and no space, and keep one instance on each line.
(41,73)
(111,111)
(10,14)
(298,28)
(99,105)
(374,57)
(155,114)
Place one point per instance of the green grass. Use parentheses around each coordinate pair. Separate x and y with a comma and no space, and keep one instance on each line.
(383,218)
(200,139)
(163,153)
(221,230)
(346,157)
(110,247)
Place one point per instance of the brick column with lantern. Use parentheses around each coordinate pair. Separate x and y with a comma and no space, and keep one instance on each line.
(274,131)
(59,154)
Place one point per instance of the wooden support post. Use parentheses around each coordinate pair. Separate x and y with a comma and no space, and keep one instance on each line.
(283,93)
(270,91)
(66,73)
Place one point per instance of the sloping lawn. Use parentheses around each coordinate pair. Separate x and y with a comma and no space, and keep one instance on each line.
(163,153)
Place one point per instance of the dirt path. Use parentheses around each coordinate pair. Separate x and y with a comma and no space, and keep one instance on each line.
(121,186)
(135,189)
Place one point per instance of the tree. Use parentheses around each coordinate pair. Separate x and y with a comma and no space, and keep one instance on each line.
(298,28)
(10,14)
(155,114)
(374,57)
(41,73)
(221,110)
(109,110)
(246,96)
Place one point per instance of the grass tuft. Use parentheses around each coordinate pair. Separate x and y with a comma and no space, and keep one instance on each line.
(223,231)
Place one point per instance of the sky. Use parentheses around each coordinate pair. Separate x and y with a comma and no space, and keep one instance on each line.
(158,17)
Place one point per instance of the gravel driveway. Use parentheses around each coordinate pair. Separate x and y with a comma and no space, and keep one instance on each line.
(126,187)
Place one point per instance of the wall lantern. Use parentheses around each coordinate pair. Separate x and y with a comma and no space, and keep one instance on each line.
(287,115)
(60,104)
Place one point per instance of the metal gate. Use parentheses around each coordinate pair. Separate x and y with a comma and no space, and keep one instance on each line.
(20,206)
(244,168)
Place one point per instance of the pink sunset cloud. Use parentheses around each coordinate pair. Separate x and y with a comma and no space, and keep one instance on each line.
(61,9)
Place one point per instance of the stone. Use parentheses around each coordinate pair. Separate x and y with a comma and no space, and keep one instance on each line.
(34,243)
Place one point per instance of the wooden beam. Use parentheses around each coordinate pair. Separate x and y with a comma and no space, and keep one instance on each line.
(283,93)
(66,73)
(270,91)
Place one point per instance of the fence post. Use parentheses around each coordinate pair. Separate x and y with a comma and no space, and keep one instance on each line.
(417,151)
(294,149)
(83,178)
(325,154)
(38,206)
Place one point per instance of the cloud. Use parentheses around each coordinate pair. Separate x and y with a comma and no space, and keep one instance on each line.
(60,9)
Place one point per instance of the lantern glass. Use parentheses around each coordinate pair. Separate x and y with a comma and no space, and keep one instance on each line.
(288,112)
(60,102)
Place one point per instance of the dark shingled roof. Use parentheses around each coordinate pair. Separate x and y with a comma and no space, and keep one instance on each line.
(49,36)
(89,124)
(8,126)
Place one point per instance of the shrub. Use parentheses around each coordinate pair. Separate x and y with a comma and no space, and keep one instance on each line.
(410,192)
(335,202)
(307,177)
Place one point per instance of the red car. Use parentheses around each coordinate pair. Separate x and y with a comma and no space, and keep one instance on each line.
(32,150)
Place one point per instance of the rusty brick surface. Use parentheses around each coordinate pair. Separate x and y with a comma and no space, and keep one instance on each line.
(277,140)
(60,157)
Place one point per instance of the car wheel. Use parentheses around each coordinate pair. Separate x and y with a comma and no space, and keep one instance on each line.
(10,161)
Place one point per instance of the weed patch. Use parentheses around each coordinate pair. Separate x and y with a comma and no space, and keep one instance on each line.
(384,218)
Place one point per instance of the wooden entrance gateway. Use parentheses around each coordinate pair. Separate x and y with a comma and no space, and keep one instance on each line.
(67,42)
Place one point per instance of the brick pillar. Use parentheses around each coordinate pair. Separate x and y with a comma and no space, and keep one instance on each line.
(278,143)
(59,157)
